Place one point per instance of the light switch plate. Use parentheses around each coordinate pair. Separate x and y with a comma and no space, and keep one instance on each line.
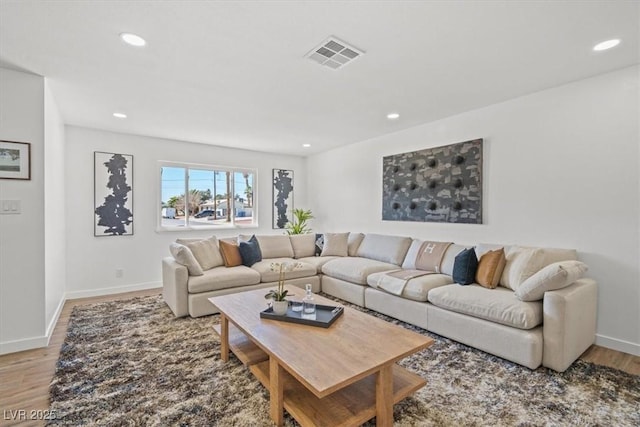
(10,207)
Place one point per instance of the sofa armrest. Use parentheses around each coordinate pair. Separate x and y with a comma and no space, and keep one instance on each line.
(569,323)
(174,286)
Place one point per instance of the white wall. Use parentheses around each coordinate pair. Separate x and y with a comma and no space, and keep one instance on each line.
(560,170)
(54,213)
(22,295)
(92,261)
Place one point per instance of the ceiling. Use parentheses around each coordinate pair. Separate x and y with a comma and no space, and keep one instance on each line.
(235,73)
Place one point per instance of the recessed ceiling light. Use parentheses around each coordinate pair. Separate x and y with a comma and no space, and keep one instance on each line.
(606,45)
(306,145)
(120,115)
(133,39)
(393,116)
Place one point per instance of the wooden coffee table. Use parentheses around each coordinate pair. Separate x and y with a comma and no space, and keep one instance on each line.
(340,376)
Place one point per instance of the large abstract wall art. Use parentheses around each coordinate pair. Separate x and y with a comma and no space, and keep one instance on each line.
(440,184)
(282,197)
(113,194)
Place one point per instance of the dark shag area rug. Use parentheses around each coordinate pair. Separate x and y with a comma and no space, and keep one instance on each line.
(132,363)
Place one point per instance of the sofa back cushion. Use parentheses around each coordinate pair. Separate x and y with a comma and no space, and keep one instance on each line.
(449,258)
(205,251)
(304,245)
(522,263)
(275,246)
(391,249)
(353,243)
(184,256)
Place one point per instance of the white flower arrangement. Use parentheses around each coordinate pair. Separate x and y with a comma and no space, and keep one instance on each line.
(282,268)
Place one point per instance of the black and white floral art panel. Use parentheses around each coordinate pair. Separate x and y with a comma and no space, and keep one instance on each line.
(440,184)
(282,197)
(113,194)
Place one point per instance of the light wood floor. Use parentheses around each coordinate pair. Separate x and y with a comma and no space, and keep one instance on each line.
(25,376)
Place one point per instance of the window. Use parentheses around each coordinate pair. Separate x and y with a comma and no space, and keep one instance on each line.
(198,196)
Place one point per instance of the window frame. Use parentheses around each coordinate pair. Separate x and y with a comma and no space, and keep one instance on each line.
(213,168)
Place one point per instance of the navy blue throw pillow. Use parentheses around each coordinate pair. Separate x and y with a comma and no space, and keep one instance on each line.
(319,243)
(250,251)
(465,266)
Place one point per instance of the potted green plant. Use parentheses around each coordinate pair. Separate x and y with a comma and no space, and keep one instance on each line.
(279,295)
(299,223)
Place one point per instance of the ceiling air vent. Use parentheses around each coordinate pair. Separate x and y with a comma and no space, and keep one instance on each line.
(334,53)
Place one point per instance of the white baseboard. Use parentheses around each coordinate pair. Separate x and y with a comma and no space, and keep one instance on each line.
(54,319)
(618,344)
(43,341)
(35,342)
(112,291)
(23,344)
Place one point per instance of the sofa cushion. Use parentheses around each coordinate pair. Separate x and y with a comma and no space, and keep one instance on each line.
(449,259)
(223,278)
(335,244)
(522,263)
(355,269)
(184,256)
(389,249)
(490,267)
(552,277)
(552,255)
(353,243)
(304,245)
(275,246)
(465,267)
(230,253)
(415,289)
(317,261)
(409,262)
(483,248)
(250,252)
(205,250)
(498,305)
(270,274)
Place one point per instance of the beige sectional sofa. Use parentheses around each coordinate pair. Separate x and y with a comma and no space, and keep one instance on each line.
(551,329)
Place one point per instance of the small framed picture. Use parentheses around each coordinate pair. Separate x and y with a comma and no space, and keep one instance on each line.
(15,160)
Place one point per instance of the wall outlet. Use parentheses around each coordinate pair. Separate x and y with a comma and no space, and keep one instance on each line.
(119,272)
(10,207)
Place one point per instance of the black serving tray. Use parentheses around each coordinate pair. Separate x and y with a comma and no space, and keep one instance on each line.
(325,315)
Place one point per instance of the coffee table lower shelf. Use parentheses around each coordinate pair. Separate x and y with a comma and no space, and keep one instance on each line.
(350,406)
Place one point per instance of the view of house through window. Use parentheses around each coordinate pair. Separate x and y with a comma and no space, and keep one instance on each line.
(206,196)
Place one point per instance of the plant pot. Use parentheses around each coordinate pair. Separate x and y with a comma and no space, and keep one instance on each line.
(280,307)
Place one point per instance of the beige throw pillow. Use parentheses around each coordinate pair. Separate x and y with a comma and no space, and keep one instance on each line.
(554,276)
(335,244)
(184,256)
(304,245)
(522,263)
(205,250)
